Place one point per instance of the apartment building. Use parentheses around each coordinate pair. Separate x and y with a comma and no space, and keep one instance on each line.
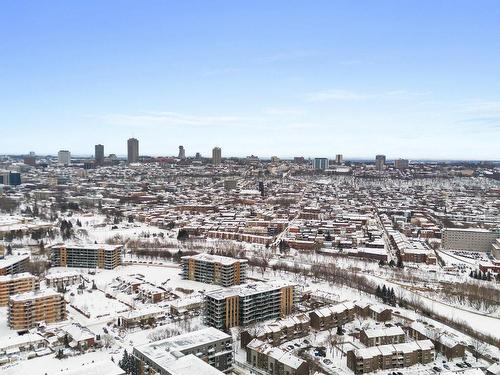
(382,336)
(278,332)
(16,284)
(27,309)
(14,264)
(249,303)
(87,256)
(332,316)
(208,348)
(444,342)
(214,269)
(365,360)
(273,360)
(468,239)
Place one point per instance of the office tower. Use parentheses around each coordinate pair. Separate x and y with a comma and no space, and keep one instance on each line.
(28,309)
(216,156)
(320,163)
(198,156)
(132,150)
(401,163)
(86,256)
(380,162)
(262,188)
(339,159)
(182,153)
(214,269)
(10,178)
(99,154)
(249,303)
(64,157)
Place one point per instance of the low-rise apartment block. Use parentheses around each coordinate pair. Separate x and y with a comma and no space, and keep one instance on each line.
(250,303)
(26,310)
(207,345)
(332,316)
(63,279)
(278,332)
(15,284)
(362,361)
(382,336)
(87,256)
(444,342)
(380,313)
(214,269)
(274,361)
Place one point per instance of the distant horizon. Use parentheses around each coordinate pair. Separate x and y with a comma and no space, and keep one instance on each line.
(264,157)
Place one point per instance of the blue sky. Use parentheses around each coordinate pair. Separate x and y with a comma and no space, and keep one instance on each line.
(417,79)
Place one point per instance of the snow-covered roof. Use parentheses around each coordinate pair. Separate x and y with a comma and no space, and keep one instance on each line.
(17,276)
(13,259)
(383,332)
(162,351)
(288,359)
(227,261)
(34,295)
(92,246)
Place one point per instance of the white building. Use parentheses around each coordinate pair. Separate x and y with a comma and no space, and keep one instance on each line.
(468,239)
(64,157)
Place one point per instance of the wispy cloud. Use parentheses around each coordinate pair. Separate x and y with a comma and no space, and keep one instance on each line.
(341,94)
(483,106)
(334,94)
(170,119)
(287,111)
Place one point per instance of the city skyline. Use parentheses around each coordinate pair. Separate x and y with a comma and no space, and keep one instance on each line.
(407,80)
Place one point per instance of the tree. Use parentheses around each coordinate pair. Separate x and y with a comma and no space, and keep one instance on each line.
(340,331)
(478,348)
(182,235)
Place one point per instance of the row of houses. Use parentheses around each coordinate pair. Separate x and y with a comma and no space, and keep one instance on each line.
(273,360)
(365,360)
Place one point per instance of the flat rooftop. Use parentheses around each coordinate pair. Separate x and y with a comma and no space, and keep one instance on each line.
(227,261)
(92,246)
(34,295)
(6,262)
(160,352)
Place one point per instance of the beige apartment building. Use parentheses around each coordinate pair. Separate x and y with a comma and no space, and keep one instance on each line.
(16,284)
(26,310)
